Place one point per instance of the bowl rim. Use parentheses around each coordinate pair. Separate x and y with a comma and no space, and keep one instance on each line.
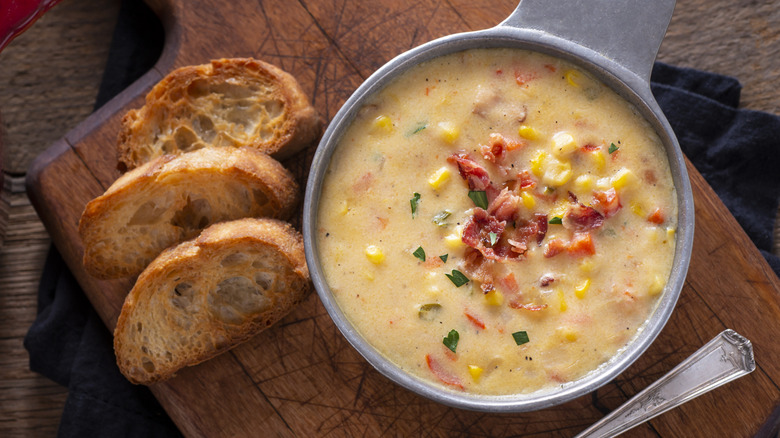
(628,85)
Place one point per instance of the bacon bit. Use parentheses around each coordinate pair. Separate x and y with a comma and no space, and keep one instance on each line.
(608,202)
(495,150)
(657,217)
(505,206)
(477,268)
(581,244)
(432,262)
(476,234)
(555,247)
(650,177)
(525,180)
(590,147)
(363,183)
(509,284)
(550,67)
(443,375)
(541,224)
(475,175)
(546,280)
(580,217)
(475,320)
(486,287)
(523,78)
(530,307)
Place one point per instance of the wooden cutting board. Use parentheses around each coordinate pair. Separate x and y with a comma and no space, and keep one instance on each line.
(301,377)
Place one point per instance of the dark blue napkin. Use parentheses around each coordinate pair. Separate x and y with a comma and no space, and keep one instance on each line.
(737,151)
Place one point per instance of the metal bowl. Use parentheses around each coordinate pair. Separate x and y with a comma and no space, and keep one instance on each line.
(616,42)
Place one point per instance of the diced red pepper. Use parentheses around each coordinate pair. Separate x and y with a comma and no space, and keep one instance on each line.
(441,373)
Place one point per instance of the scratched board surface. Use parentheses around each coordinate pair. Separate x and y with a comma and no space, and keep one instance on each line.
(301,377)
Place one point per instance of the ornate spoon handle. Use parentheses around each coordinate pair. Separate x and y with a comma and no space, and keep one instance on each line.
(726,357)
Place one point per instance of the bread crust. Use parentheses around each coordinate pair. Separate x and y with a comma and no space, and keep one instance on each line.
(188,305)
(230,102)
(172,198)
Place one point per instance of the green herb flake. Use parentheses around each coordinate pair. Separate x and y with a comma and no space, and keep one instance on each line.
(441,218)
(419,253)
(414,201)
(444,257)
(419,128)
(556,221)
(451,340)
(520,337)
(428,312)
(457,278)
(493,238)
(612,148)
(480,198)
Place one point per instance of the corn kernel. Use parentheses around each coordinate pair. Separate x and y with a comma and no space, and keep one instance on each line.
(528,133)
(375,254)
(586,265)
(573,77)
(439,177)
(494,298)
(583,183)
(453,241)
(537,161)
(623,178)
(567,333)
(383,123)
(562,301)
(637,209)
(528,200)
(563,144)
(559,209)
(556,173)
(448,131)
(604,184)
(670,232)
(580,289)
(597,157)
(475,372)
(657,285)
(344,208)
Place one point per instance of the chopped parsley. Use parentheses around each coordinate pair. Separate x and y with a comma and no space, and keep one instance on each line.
(457,278)
(444,257)
(480,198)
(612,148)
(493,238)
(556,221)
(419,128)
(441,217)
(520,337)
(414,201)
(419,253)
(451,340)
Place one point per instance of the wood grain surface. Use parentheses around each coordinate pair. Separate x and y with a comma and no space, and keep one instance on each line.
(301,377)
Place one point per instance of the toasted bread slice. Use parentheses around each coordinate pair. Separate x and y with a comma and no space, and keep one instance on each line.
(173,198)
(230,102)
(209,294)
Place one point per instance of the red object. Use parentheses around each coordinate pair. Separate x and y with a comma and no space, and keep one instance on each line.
(18,15)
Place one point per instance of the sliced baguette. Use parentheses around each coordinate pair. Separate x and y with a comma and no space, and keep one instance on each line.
(209,294)
(173,198)
(229,102)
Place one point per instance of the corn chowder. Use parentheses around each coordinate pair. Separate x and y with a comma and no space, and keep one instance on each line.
(498,222)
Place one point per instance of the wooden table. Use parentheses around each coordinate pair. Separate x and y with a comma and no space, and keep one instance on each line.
(330,47)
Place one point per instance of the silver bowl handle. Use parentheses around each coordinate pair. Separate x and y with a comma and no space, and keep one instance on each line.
(627,31)
(726,357)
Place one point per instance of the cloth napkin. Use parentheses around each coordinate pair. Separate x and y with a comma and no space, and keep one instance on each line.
(737,151)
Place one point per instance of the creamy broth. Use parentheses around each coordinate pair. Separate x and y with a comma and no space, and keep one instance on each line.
(521,174)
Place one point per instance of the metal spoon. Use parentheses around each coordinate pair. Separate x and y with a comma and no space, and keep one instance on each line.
(726,357)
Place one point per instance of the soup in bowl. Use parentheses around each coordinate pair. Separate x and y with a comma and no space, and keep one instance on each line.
(498,228)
